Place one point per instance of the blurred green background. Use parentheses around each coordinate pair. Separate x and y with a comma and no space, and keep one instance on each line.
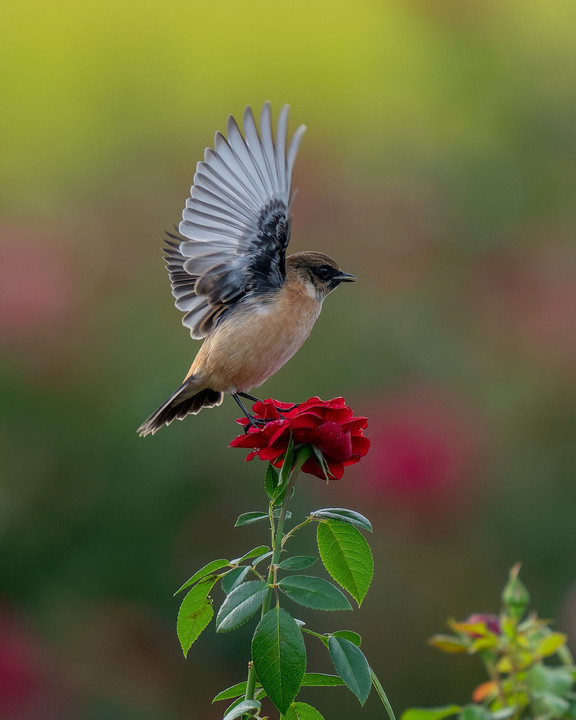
(439,167)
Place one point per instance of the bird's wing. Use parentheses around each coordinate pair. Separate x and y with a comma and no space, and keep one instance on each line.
(235,226)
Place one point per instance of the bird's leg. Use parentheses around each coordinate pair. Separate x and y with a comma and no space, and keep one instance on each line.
(249,397)
(255,422)
(255,399)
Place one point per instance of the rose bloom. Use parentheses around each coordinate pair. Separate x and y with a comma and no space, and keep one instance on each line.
(327,425)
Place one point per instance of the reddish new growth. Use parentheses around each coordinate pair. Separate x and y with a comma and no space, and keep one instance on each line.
(328,425)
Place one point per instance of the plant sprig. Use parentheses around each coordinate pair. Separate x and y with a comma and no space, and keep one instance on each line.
(278,667)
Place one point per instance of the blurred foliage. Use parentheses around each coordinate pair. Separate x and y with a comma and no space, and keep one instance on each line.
(439,167)
(515,649)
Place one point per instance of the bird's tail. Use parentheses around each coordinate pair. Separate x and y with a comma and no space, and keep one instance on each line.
(186,400)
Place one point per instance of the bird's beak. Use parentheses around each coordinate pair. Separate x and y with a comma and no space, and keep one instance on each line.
(344,277)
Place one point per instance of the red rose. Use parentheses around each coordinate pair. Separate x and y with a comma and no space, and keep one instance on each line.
(328,425)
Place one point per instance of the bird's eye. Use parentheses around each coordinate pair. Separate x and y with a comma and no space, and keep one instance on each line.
(323,272)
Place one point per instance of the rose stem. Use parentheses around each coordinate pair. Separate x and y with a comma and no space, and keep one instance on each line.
(277,533)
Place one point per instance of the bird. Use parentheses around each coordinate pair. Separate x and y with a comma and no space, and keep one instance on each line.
(251,304)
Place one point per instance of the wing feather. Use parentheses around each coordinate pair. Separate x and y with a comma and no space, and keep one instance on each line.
(235,226)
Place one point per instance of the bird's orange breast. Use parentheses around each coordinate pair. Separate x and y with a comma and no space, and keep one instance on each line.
(255,340)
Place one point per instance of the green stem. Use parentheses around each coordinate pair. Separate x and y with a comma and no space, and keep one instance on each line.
(494,675)
(277,530)
(294,529)
(380,690)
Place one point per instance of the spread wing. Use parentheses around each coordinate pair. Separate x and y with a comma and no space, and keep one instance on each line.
(235,227)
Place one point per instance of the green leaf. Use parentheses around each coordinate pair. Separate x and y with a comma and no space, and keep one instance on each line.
(431,713)
(249,518)
(314,593)
(346,516)
(241,708)
(276,513)
(322,462)
(550,644)
(241,604)
(448,643)
(285,471)
(504,712)
(206,570)
(195,613)
(255,552)
(347,557)
(556,680)
(232,692)
(279,657)
(234,577)
(261,557)
(548,704)
(302,711)
(271,480)
(474,712)
(322,680)
(352,666)
(350,635)
(298,562)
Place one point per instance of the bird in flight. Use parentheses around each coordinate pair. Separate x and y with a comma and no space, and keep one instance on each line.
(253,306)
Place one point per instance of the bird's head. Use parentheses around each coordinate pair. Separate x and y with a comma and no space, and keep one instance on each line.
(317,272)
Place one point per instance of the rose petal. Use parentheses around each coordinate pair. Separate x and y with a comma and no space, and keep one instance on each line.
(329,425)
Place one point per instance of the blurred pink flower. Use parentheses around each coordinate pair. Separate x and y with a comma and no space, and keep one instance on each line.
(426,451)
(27,687)
(37,286)
(526,298)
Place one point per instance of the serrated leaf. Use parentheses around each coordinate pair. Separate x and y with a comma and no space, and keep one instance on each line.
(343,515)
(241,604)
(195,613)
(346,556)
(313,592)
(302,711)
(241,708)
(298,562)
(249,518)
(261,557)
(203,572)
(350,635)
(255,552)
(322,680)
(431,713)
(352,666)
(234,577)
(550,644)
(232,692)
(279,657)
(271,480)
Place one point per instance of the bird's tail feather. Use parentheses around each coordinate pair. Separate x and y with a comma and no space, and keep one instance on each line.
(183,401)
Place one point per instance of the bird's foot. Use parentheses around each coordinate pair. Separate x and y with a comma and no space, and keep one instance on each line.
(257,423)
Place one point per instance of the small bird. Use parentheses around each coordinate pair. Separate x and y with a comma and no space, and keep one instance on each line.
(229,272)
